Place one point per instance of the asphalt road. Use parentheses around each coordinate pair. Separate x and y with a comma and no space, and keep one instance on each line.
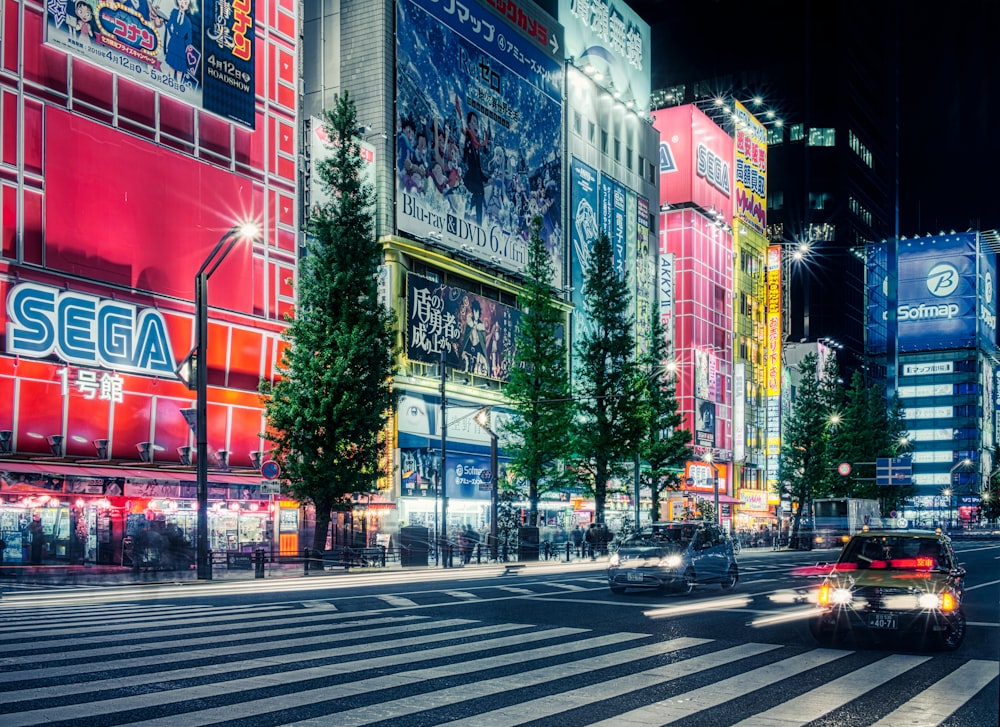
(549,644)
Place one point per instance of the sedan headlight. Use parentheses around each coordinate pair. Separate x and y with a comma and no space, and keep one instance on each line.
(671,561)
(944,601)
(832,596)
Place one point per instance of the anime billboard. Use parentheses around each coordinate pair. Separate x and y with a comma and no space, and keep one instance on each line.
(198,51)
(478,133)
(476,333)
(946,293)
(696,159)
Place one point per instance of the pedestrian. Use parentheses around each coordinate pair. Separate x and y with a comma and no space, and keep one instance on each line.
(576,535)
(591,538)
(36,534)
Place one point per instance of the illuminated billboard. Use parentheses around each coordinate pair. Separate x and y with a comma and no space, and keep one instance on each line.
(199,52)
(476,333)
(751,170)
(478,134)
(946,293)
(612,40)
(696,159)
(772,365)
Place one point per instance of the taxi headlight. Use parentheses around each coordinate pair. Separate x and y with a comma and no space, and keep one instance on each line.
(832,596)
(671,561)
(929,601)
(614,561)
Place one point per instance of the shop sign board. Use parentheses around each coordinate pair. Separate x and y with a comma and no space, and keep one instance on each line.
(270,487)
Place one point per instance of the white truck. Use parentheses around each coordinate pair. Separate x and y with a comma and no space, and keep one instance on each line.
(836,519)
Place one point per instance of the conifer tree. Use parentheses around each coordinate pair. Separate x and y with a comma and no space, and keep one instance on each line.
(327,410)
(608,386)
(665,444)
(538,388)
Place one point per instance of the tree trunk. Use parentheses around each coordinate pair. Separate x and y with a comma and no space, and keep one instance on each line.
(321,531)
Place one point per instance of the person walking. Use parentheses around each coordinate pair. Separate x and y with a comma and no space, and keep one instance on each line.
(36,534)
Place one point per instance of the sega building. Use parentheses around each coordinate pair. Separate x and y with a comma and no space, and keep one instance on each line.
(124,161)
(947,343)
(696,284)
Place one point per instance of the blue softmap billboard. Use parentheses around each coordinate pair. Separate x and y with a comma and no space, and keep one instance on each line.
(946,289)
(478,133)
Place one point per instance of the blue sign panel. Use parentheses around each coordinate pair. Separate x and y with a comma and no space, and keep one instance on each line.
(893,471)
(946,294)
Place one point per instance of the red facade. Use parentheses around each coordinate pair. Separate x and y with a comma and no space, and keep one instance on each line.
(113,195)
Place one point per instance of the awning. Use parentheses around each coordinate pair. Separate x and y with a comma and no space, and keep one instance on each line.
(63,469)
(710,496)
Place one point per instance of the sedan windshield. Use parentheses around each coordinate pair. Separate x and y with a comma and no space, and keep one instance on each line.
(893,552)
(661,537)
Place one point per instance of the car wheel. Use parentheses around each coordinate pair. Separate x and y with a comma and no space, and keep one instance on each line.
(954,635)
(732,576)
(616,589)
(685,585)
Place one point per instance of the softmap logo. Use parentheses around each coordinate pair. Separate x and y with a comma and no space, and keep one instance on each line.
(942,280)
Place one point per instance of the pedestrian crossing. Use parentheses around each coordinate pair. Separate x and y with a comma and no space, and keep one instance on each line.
(300,664)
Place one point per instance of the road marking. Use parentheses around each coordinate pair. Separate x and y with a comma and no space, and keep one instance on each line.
(834,694)
(319,605)
(547,707)
(680,706)
(936,703)
(515,589)
(397,601)
(463,594)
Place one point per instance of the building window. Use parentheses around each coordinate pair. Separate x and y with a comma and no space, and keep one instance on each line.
(858,148)
(590,131)
(618,150)
(628,158)
(821,137)
(775,135)
(796,132)
(577,123)
(776,200)
(818,200)
(604,141)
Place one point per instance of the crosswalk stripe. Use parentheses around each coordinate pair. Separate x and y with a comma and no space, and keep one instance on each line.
(939,701)
(319,605)
(515,589)
(567,586)
(308,639)
(389,681)
(684,705)
(463,595)
(547,707)
(397,601)
(833,694)
(89,710)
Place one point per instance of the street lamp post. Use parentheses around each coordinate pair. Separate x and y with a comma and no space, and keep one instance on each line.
(209,266)
(483,420)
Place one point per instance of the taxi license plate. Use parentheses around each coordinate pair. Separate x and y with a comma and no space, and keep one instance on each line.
(882,621)
(634,577)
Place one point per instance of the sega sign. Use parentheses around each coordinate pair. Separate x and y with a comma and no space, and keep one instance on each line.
(87,330)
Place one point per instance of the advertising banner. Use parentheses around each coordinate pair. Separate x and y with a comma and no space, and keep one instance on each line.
(612,39)
(320,150)
(476,333)
(645,274)
(739,411)
(704,423)
(947,293)
(666,280)
(696,159)
(772,362)
(199,52)
(478,133)
(583,232)
(751,170)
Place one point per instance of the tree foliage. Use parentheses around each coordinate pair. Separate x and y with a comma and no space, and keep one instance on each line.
(608,386)
(665,444)
(326,411)
(803,461)
(538,388)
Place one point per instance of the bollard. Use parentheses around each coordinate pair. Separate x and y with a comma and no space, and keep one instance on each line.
(208,567)
(305,562)
(504,552)
(479,553)
(258,563)
(569,547)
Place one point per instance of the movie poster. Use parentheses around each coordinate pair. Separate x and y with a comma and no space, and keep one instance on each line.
(478,134)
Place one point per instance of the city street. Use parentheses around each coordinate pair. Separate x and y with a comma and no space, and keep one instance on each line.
(545,644)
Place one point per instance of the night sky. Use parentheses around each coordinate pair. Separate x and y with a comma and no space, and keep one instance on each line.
(949,79)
